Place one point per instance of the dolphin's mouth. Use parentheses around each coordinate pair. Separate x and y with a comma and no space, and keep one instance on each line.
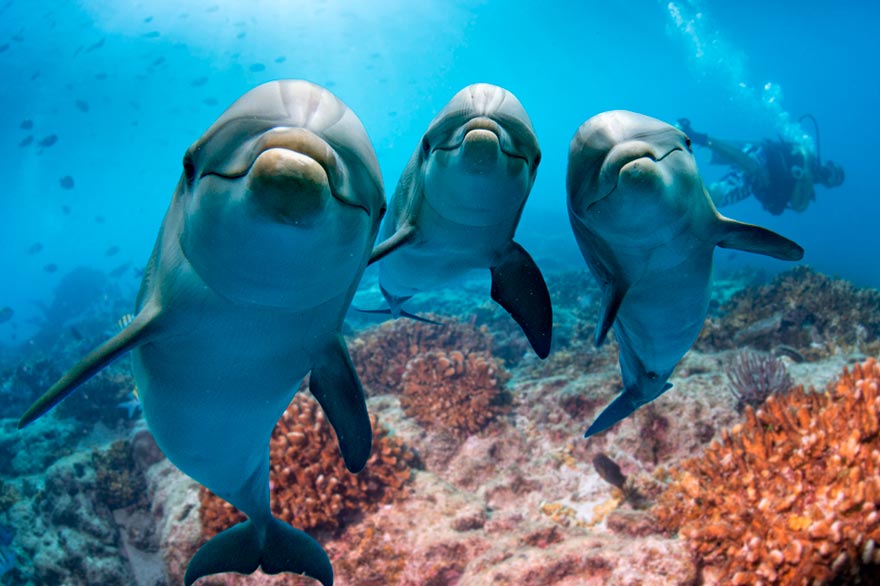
(296,140)
(618,166)
(457,140)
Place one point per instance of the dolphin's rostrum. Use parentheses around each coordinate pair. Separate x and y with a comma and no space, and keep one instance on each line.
(647,230)
(256,263)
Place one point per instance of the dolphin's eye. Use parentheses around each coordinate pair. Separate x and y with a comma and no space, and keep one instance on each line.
(426,146)
(687,142)
(189,168)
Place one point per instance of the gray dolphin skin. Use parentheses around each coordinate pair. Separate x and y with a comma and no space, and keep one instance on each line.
(458,204)
(647,230)
(255,265)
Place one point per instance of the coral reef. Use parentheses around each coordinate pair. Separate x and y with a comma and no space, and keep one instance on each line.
(753,377)
(380,354)
(311,488)
(118,482)
(791,496)
(453,391)
(815,314)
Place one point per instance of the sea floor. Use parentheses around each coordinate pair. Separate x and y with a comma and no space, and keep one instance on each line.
(520,501)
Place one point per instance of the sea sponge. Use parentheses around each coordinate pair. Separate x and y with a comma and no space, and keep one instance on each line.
(802,309)
(456,391)
(791,496)
(311,488)
(380,354)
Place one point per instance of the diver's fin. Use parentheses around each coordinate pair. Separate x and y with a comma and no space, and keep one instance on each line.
(612,297)
(335,384)
(238,550)
(134,334)
(518,286)
(620,408)
(751,238)
(403,235)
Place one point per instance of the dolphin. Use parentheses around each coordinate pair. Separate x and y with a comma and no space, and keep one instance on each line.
(458,204)
(255,265)
(647,229)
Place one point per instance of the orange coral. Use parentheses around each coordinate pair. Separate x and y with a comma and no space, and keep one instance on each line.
(452,390)
(380,354)
(311,487)
(791,496)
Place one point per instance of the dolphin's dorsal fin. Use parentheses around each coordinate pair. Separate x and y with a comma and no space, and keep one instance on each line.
(518,286)
(403,235)
(751,238)
(612,296)
(133,335)
(337,388)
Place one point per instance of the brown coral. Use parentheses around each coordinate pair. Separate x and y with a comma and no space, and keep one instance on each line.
(453,391)
(311,488)
(791,496)
(118,482)
(380,354)
(801,309)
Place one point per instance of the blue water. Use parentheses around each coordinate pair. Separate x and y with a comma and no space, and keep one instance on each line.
(127,86)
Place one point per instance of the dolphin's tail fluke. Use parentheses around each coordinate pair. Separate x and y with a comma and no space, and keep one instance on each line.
(620,408)
(238,549)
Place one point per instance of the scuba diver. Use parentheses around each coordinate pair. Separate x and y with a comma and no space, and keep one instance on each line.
(780,174)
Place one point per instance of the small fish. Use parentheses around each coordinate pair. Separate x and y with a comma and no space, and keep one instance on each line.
(65,210)
(77,335)
(100,219)
(35,248)
(6,314)
(212,8)
(257,67)
(49,140)
(148,19)
(120,270)
(95,46)
(82,105)
(210,101)
(152,34)
(609,470)
(101,76)
(26,140)
(123,321)
(112,251)
(280,59)
(26,124)
(199,81)
(241,35)
(159,61)
(35,75)
(4,47)
(66,182)
(51,267)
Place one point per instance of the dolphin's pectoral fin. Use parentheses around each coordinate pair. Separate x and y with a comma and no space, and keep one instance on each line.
(404,235)
(620,408)
(612,297)
(133,335)
(336,386)
(751,238)
(518,286)
(238,550)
